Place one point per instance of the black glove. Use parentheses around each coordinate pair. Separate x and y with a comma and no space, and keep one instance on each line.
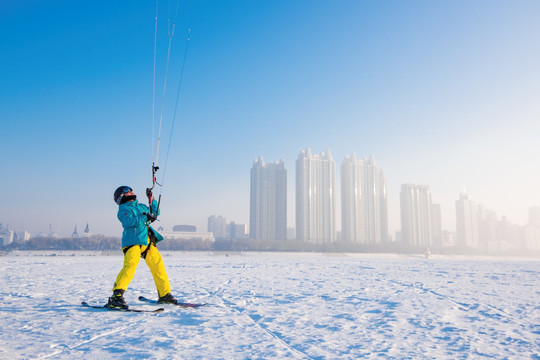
(151,217)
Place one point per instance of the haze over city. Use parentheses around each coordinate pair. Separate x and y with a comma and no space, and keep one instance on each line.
(443,94)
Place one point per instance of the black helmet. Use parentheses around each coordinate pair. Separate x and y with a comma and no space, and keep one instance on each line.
(119,193)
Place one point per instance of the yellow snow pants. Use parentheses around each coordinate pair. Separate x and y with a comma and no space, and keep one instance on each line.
(155,264)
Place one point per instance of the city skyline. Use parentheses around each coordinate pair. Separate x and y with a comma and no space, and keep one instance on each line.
(478,229)
(53,227)
(443,94)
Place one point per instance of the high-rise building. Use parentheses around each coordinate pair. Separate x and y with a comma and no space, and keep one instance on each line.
(315,197)
(25,235)
(487,229)
(6,236)
(436,226)
(218,226)
(532,230)
(364,209)
(268,203)
(415,201)
(236,231)
(466,222)
(534,216)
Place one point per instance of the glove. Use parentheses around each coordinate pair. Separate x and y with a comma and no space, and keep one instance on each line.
(151,217)
(149,194)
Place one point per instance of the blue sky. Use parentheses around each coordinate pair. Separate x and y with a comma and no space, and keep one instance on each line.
(442,93)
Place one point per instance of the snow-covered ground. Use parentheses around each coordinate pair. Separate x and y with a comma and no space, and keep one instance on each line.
(274,306)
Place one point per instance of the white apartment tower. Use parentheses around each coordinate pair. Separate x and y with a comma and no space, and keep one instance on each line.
(364,204)
(315,197)
(416,227)
(466,222)
(268,201)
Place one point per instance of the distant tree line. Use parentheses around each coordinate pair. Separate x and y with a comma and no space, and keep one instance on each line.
(115,243)
(78,243)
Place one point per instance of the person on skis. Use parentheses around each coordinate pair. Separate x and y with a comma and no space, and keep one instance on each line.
(139,239)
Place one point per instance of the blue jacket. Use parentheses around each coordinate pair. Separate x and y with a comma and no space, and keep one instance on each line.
(133,221)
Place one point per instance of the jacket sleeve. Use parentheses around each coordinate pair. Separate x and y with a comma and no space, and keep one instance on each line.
(155,207)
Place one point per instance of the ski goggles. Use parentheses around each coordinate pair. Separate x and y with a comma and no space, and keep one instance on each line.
(126,189)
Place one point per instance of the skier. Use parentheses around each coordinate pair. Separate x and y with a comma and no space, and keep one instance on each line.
(138,240)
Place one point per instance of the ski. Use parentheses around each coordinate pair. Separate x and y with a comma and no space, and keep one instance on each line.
(85,304)
(180,304)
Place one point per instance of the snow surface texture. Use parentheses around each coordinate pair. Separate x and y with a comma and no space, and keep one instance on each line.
(274,306)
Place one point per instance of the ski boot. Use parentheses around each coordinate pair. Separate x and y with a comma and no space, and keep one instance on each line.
(167,299)
(116,301)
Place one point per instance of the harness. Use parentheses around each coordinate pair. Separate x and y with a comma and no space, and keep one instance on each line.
(152,242)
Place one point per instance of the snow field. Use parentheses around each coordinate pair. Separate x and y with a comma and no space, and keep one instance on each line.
(274,306)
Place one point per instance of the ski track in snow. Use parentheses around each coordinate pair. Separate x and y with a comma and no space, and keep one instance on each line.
(274,306)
